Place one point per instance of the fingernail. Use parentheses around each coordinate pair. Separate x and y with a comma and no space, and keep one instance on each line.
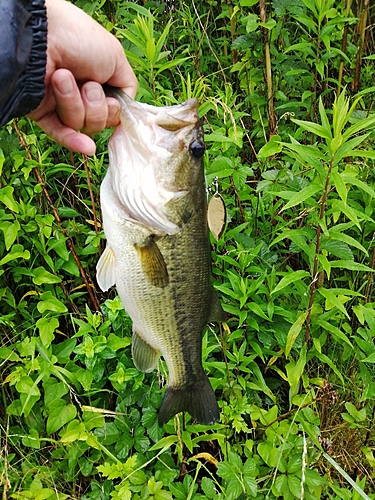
(94,94)
(65,86)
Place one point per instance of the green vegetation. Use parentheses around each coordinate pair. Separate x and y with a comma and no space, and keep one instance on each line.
(286,94)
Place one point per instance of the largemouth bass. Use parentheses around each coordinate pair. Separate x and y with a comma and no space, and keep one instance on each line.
(154,207)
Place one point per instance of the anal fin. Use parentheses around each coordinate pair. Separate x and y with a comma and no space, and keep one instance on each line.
(145,357)
(153,263)
(106,269)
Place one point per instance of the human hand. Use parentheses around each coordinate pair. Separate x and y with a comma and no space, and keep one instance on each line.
(81,56)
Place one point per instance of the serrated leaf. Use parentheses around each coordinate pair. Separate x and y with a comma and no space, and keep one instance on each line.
(336,235)
(338,249)
(351,265)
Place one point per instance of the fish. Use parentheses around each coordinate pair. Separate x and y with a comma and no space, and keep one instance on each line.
(154,213)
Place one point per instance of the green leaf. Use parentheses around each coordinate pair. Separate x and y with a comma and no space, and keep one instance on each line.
(337,235)
(60,414)
(358,415)
(272,147)
(26,385)
(346,476)
(332,299)
(10,230)
(336,332)
(358,183)
(351,265)
(171,64)
(46,328)
(294,332)
(17,252)
(252,23)
(115,343)
(323,116)
(50,303)
(164,443)
(337,248)
(294,370)
(271,23)
(364,124)
(291,277)
(41,276)
(369,359)
(328,361)
(6,197)
(340,113)
(314,128)
(302,195)
(32,440)
(338,205)
(339,184)
(208,488)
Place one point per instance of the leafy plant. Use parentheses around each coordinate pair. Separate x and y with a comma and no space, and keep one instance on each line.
(293,365)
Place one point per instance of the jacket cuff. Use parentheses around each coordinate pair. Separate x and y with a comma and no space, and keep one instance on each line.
(28,88)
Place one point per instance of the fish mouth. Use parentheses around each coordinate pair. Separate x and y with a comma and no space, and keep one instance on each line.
(169,118)
(144,155)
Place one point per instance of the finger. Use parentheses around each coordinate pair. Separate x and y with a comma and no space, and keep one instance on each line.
(123,76)
(113,112)
(96,108)
(66,136)
(69,104)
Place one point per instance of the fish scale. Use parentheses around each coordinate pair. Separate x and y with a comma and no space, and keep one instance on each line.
(157,250)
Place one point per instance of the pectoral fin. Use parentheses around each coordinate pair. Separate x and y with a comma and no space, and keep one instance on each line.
(106,269)
(217,314)
(145,357)
(153,264)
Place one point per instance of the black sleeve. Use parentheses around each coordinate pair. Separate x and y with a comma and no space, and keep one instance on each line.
(23,45)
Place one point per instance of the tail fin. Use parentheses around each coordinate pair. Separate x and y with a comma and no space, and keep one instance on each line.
(199,400)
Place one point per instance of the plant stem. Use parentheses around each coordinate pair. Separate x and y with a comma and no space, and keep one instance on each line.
(232,30)
(317,248)
(271,110)
(362,33)
(69,242)
(343,46)
(92,198)
(370,278)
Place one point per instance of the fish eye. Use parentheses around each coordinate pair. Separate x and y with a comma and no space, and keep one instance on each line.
(196,149)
